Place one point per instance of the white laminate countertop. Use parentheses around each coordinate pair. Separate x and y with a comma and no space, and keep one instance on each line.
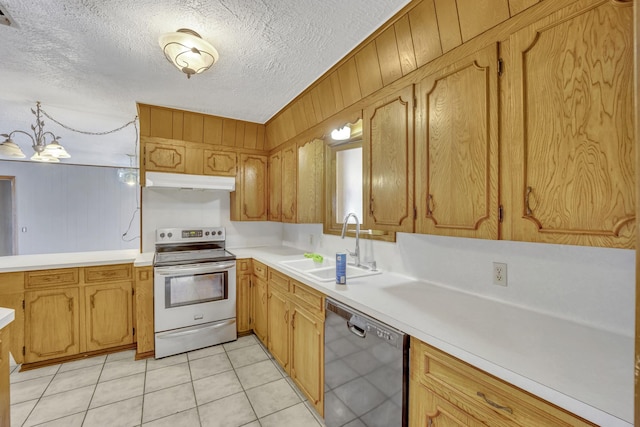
(65,260)
(582,369)
(7,315)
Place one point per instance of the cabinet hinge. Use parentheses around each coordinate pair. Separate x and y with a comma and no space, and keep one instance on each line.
(500,213)
(23,304)
(24,351)
(500,66)
(133,291)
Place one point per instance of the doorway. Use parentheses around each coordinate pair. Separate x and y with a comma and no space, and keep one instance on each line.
(8,244)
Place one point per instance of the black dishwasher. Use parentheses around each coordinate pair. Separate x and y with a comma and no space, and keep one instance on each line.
(366,366)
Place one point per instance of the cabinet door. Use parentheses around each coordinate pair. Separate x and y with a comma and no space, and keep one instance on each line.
(12,296)
(243,315)
(249,201)
(5,410)
(52,324)
(275,187)
(309,181)
(109,317)
(144,310)
(387,148)
(260,323)
(572,167)
(219,163)
(289,176)
(427,409)
(164,158)
(278,315)
(307,355)
(457,149)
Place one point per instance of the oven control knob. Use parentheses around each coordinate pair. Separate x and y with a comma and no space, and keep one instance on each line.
(206,233)
(219,232)
(162,235)
(170,235)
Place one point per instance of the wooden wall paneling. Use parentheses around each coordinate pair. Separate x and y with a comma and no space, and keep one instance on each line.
(212,130)
(229,132)
(250,135)
(349,82)
(144,119)
(192,127)
(194,160)
(477,16)
(316,101)
(261,143)
(337,91)
(517,6)
(326,98)
(448,24)
(404,41)
(299,117)
(161,123)
(307,106)
(368,69)
(177,117)
(388,56)
(240,128)
(424,30)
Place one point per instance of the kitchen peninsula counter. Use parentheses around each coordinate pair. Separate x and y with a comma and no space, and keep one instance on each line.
(577,367)
(66,260)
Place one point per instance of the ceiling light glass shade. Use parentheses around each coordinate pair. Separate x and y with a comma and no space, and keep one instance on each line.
(10,149)
(128,176)
(44,157)
(56,150)
(341,134)
(188,51)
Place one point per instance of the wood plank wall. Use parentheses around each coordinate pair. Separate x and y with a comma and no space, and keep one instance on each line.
(418,34)
(181,125)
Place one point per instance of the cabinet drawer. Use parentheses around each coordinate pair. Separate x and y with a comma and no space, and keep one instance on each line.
(243,266)
(259,270)
(471,388)
(309,298)
(57,277)
(279,280)
(108,273)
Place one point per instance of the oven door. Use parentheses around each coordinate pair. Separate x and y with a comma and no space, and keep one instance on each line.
(193,294)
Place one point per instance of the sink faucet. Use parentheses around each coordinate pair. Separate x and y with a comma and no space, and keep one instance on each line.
(356,254)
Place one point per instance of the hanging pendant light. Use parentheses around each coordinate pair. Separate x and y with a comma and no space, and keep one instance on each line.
(189,52)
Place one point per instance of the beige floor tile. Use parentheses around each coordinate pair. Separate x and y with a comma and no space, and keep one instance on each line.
(121,355)
(127,413)
(210,365)
(74,379)
(20,411)
(247,355)
(74,420)
(217,386)
(241,342)
(122,368)
(167,377)
(153,364)
(187,418)
(168,401)
(82,363)
(269,398)
(258,373)
(294,416)
(29,390)
(230,411)
(204,352)
(255,423)
(116,390)
(60,405)
(16,377)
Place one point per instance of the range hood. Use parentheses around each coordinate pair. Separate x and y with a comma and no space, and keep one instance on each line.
(195,182)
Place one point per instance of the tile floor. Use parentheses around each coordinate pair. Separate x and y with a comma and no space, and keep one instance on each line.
(229,385)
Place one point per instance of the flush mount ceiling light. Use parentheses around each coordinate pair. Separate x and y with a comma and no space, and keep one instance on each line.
(341,134)
(189,52)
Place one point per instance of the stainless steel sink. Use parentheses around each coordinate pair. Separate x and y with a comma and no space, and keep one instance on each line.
(325,271)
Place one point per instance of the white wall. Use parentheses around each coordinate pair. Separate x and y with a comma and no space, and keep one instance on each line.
(589,285)
(165,207)
(71,208)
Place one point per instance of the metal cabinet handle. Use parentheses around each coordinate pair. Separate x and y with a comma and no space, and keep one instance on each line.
(430,204)
(494,404)
(93,301)
(526,201)
(71,305)
(371,206)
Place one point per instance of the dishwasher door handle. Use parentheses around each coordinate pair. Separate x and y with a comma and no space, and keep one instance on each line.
(356,331)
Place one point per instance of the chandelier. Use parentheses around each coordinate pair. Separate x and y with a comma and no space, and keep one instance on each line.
(45,144)
(188,51)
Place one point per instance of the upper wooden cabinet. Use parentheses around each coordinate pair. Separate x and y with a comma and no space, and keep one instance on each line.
(388,166)
(289,177)
(220,163)
(249,201)
(571,152)
(457,148)
(164,158)
(310,181)
(275,187)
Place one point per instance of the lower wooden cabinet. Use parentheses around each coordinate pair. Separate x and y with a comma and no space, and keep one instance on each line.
(244,296)
(145,341)
(5,410)
(12,296)
(109,315)
(278,327)
(52,323)
(260,308)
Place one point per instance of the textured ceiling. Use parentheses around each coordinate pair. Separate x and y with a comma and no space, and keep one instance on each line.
(90,61)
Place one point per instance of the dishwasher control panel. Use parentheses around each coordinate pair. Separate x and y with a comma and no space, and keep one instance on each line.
(382,333)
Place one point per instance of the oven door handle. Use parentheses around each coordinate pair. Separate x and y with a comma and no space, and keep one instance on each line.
(194,268)
(194,330)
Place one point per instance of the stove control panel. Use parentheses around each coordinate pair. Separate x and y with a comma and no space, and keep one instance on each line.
(199,234)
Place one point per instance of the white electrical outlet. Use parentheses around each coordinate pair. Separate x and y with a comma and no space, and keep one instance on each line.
(500,274)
